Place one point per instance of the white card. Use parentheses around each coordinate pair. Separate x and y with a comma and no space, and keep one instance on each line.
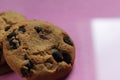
(106,44)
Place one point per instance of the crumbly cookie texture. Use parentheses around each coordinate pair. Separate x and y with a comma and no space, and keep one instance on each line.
(7,20)
(2,25)
(39,50)
(11,17)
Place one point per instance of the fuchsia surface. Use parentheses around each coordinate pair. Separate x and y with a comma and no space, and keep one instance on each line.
(74,17)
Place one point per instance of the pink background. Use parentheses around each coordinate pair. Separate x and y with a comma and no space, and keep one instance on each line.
(74,17)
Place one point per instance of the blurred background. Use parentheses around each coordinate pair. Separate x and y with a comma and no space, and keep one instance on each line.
(94,26)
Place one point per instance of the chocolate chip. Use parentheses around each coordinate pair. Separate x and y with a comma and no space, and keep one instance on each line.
(38,29)
(7,27)
(14,43)
(29,65)
(13,34)
(66,57)
(22,29)
(43,37)
(67,40)
(25,72)
(57,56)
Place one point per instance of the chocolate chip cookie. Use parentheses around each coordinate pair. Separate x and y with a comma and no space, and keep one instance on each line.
(39,50)
(7,20)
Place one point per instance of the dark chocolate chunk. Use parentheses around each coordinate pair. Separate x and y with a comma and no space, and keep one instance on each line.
(43,37)
(57,55)
(66,57)
(25,72)
(29,65)
(13,34)
(22,29)
(67,40)
(38,29)
(7,27)
(14,43)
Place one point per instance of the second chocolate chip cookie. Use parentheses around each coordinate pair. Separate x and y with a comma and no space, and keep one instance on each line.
(7,20)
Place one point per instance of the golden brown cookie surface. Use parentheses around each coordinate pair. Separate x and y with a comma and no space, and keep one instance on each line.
(11,17)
